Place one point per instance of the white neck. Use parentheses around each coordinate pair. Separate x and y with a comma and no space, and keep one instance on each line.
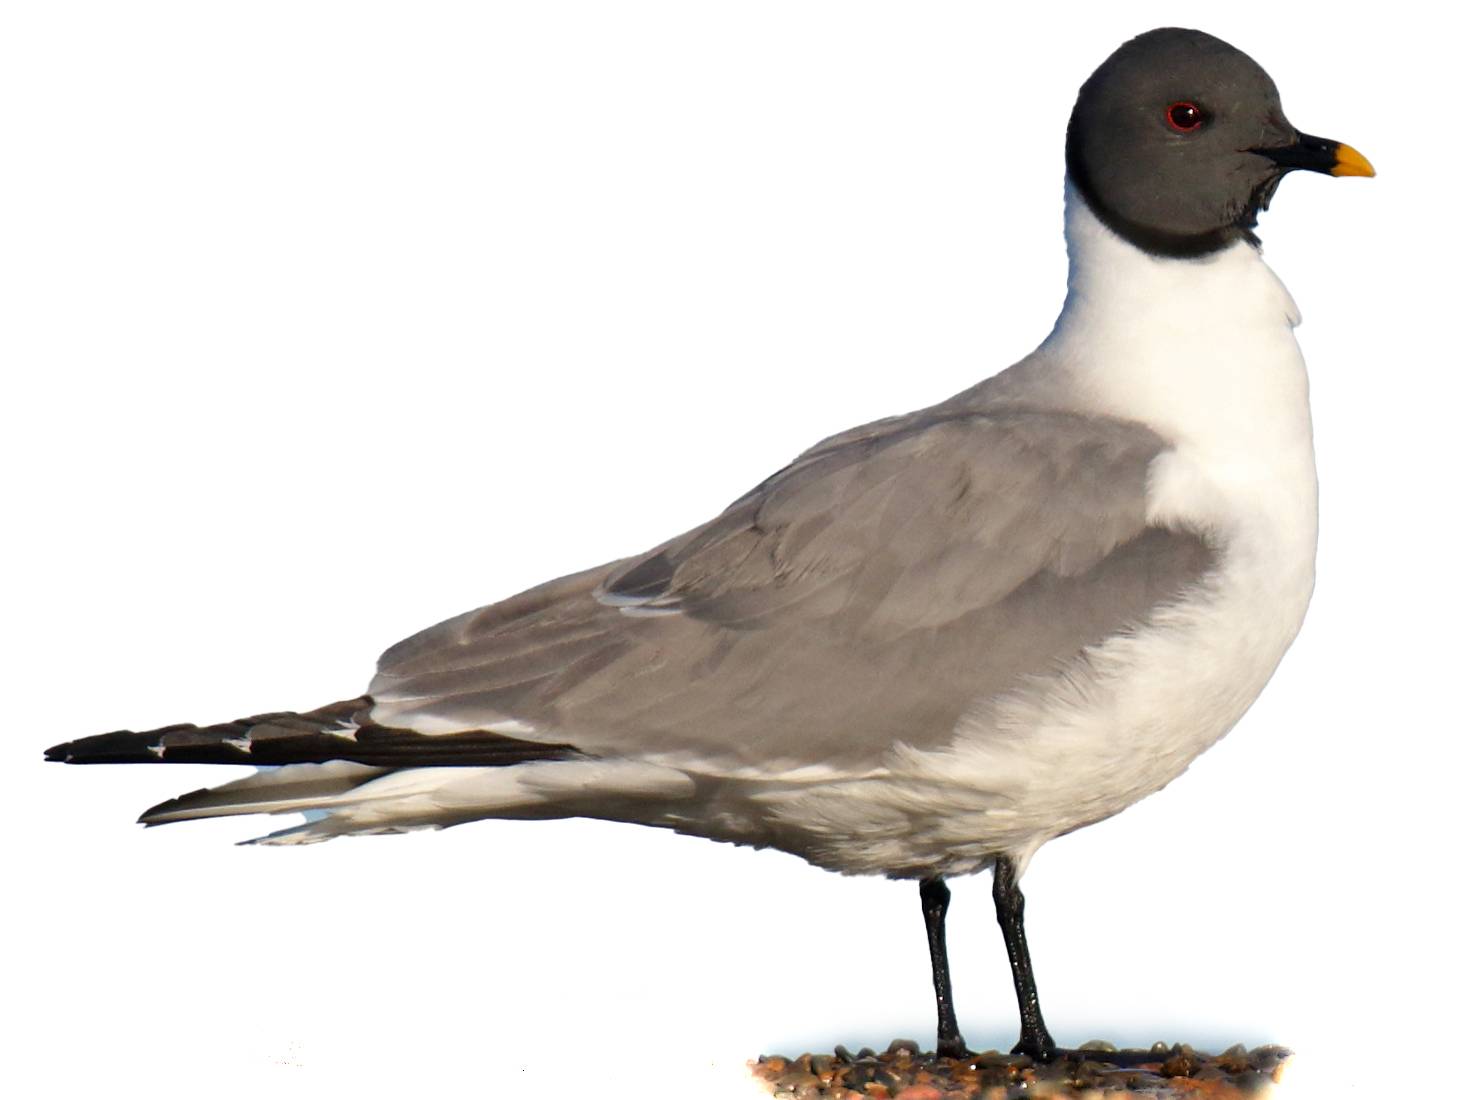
(1200,349)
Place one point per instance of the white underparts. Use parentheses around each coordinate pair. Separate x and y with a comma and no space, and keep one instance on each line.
(1202,352)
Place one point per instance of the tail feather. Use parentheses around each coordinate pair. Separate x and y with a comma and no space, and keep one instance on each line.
(353,776)
(295,787)
(340,731)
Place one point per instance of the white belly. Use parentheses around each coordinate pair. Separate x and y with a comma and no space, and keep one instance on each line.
(1079,746)
(1203,352)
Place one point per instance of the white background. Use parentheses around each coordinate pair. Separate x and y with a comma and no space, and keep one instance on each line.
(323,322)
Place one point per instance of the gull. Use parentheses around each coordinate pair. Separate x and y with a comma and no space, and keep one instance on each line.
(930,644)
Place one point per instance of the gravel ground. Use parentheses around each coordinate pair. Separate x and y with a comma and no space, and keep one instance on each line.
(1097,1071)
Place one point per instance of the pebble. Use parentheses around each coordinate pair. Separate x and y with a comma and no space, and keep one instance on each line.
(1098,1071)
(1180,1064)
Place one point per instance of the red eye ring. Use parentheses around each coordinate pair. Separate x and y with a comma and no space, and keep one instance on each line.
(1184,117)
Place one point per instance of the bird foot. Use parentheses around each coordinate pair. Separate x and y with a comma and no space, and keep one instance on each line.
(955,1047)
(1041,1048)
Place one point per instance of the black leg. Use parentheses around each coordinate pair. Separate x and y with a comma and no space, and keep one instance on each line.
(1034,1040)
(934,899)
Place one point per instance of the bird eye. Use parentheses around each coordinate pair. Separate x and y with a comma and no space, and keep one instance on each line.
(1184,117)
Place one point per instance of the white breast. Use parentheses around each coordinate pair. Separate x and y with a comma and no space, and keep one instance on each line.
(1203,352)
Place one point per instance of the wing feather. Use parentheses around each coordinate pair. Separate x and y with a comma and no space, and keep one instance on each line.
(868,593)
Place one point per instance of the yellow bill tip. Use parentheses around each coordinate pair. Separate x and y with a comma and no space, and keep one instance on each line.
(1349,161)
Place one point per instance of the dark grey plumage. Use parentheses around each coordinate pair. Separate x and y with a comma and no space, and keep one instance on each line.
(1171,192)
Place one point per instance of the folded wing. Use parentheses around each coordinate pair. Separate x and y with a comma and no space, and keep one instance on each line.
(867,594)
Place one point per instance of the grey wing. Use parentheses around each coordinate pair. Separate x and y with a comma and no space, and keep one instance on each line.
(868,594)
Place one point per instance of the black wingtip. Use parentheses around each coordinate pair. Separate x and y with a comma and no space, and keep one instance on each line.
(341,731)
(117,747)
